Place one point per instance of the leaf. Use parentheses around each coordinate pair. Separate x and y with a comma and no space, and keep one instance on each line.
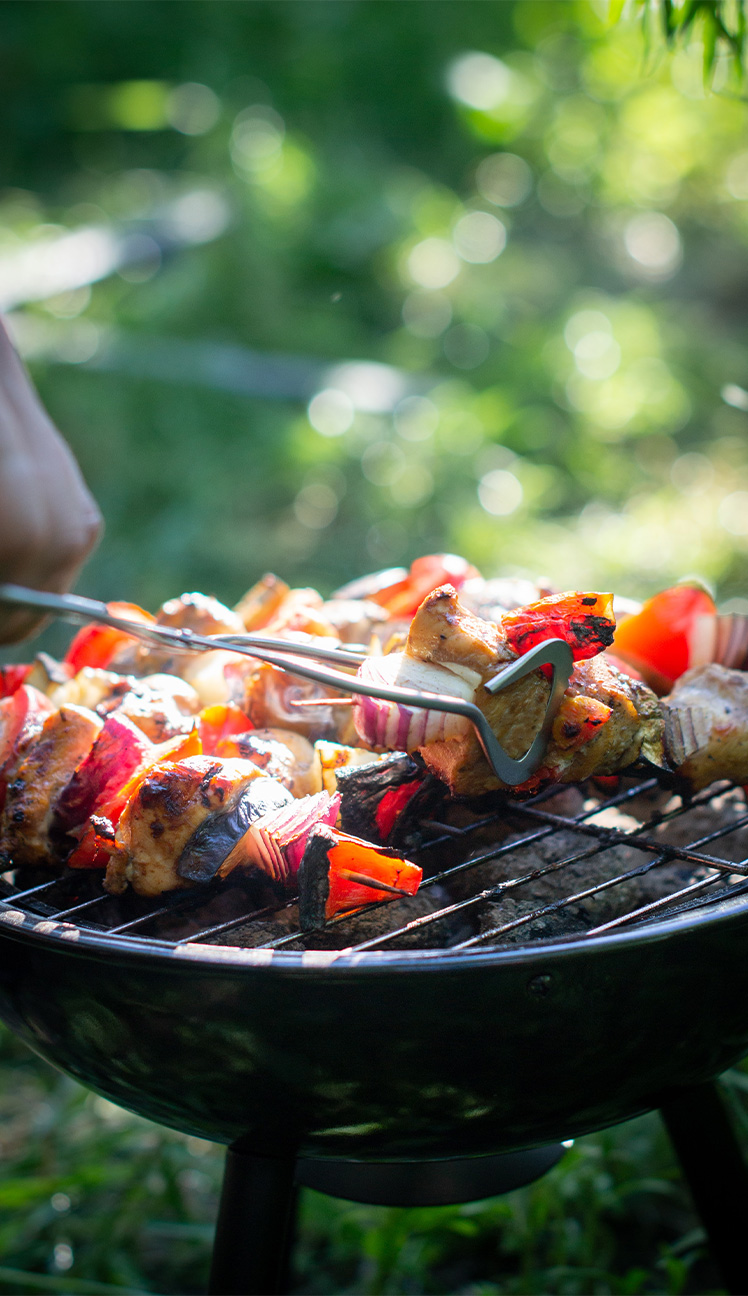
(615,10)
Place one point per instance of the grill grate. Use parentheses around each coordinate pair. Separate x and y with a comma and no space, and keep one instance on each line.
(569,861)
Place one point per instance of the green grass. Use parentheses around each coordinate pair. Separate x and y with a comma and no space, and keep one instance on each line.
(94,1200)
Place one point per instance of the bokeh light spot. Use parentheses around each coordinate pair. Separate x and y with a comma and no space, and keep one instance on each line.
(193,108)
(500,492)
(504,179)
(427,314)
(479,237)
(692,473)
(433,263)
(316,506)
(330,412)
(466,346)
(584,322)
(733,513)
(736,180)
(382,463)
(257,138)
(478,80)
(414,485)
(597,355)
(653,242)
(416,418)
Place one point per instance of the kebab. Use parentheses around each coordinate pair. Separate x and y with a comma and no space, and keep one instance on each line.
(607,720)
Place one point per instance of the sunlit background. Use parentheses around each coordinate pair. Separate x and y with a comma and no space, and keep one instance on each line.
(312,291)
(315,286)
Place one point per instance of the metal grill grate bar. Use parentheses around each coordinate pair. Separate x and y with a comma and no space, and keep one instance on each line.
(530,824)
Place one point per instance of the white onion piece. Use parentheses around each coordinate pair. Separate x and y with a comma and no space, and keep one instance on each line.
(402,728)
(205,672)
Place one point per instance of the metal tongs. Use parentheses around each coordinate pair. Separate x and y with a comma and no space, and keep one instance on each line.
(289,656)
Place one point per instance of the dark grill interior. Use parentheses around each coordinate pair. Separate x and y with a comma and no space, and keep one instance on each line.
(570,862)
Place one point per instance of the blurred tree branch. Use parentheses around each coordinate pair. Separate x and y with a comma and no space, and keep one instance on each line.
(721,24)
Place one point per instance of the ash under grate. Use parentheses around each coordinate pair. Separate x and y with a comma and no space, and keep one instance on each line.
(567,863)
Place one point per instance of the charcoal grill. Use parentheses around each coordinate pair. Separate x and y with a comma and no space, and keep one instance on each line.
(376,1052)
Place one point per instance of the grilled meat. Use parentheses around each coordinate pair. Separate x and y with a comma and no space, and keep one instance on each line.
(605,722)
(36,782)
(170,804)
(279,753)
(706,726)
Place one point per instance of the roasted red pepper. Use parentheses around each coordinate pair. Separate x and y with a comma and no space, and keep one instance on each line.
(97,645)
(403,598)
(658,640)
(120,749)
(584,621)
(91,851)
(11,678)
(339,873)
(221,721)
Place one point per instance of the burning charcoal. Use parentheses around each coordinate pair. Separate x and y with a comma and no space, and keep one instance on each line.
(377,920)
(588,867)
(261,931)
(386,801)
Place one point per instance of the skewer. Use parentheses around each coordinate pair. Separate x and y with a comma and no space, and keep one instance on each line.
(288,655)
(363,880)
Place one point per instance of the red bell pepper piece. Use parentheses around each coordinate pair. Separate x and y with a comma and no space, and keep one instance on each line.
(426,574)
(392,805)
(96,645)
(91,851)
(339,872)
(585,622)
(11,678)
(120,749)
(657,640)
(221,721)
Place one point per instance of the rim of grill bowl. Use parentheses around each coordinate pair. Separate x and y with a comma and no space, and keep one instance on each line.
(33,929)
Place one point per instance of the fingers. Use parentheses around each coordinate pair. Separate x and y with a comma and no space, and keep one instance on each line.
(49,522)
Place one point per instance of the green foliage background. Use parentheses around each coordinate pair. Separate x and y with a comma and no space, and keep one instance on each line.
(565,392)
(632,469)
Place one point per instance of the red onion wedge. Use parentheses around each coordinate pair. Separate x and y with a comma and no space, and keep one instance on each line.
(275,843)
(404,728)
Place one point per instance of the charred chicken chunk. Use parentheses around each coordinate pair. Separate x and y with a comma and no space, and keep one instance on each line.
(170,804)
(163,706)
(35,784)
(279,753)
(200,613)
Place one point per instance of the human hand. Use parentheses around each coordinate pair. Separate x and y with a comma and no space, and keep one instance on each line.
(49,522)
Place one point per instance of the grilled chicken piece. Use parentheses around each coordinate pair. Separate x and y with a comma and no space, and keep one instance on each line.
(201,613)
(37,781)
(170,805)
(353,620)
(706,726)
(279,753)
(606,720)
(163,706)
(261,602)
(443,631)
(89,687)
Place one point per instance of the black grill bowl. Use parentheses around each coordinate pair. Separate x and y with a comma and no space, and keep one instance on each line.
(396,1055)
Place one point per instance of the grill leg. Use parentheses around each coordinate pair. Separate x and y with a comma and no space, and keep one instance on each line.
(703,1138)
(253,1232)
